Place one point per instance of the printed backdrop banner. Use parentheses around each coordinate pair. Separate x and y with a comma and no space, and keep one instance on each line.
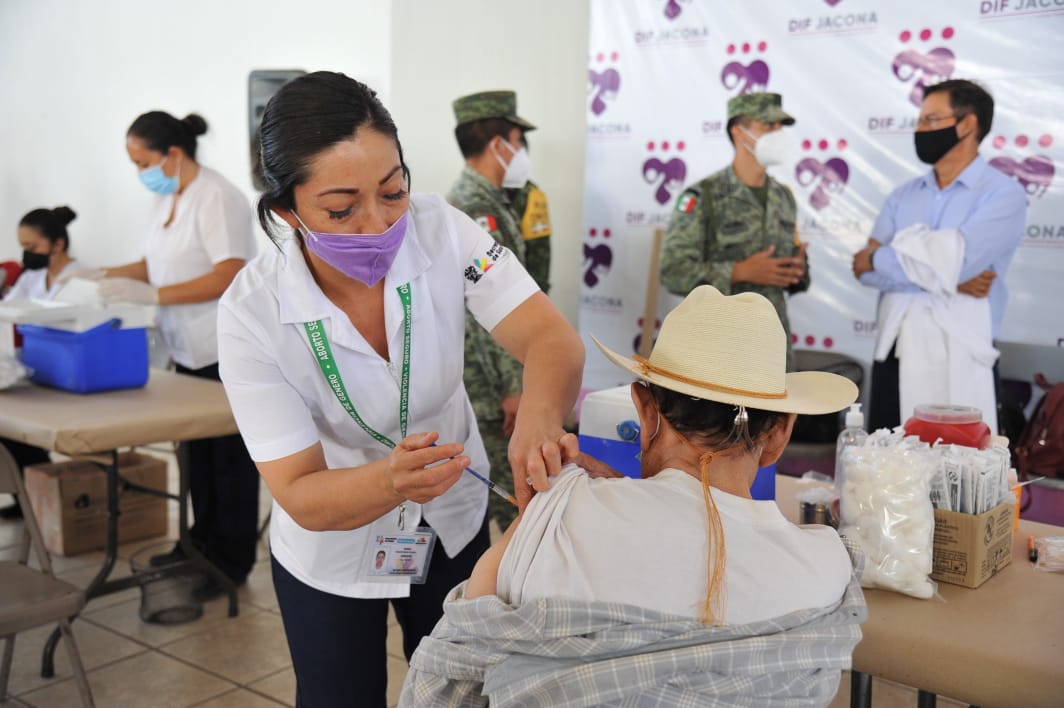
(852,72)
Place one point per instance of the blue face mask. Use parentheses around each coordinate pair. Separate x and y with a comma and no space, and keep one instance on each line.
(154,179)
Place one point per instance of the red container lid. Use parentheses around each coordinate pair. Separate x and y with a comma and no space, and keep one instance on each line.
(952,415)
(954,425)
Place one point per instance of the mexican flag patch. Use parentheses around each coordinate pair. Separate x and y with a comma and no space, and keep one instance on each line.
(487,222)
(686,203)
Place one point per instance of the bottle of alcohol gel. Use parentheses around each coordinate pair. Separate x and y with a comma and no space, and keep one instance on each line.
(853,435)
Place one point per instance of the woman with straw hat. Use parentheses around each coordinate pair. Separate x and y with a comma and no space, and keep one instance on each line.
(685,547)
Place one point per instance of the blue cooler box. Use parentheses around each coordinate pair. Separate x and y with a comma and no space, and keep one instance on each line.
(609,431)
(103,358)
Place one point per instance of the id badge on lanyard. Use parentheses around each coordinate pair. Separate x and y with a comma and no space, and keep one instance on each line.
(402,556)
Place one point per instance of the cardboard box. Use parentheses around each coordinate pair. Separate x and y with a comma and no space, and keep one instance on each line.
(970,548)
(69,500)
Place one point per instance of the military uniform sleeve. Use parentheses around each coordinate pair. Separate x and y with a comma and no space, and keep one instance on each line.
(491,373)
(533,215)
(537,255)
(686,253)
(802,285)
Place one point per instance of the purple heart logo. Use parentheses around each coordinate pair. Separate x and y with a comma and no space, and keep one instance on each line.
(829,177)
(1035,173)
(602,87)
(746,78)
(596,258)
(833,3)
(927,69)
(668,176)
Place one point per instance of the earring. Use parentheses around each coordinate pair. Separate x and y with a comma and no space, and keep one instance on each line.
(740,426)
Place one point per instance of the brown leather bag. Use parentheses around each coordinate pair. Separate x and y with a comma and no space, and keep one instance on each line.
(1040,449)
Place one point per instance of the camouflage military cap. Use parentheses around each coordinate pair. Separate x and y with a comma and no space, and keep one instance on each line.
(489,104)
(766,107)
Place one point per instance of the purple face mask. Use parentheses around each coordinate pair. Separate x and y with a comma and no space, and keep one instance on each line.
(364,257)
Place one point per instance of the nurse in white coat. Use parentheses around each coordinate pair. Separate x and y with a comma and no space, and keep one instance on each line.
(342,356)
(200,234)
(42,234)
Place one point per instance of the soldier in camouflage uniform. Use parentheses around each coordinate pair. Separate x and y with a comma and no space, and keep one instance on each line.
(489,134)
(530,204)
(737,229)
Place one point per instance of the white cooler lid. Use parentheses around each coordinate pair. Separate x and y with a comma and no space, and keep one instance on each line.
(601,411)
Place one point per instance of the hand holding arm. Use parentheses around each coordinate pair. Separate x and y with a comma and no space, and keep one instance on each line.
(979,286)
(862,260)
(510,404)
(538,336)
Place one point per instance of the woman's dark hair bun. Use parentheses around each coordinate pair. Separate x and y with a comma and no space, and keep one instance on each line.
(195,124)
(64,214)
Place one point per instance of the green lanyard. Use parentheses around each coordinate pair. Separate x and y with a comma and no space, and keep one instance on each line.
(319,343)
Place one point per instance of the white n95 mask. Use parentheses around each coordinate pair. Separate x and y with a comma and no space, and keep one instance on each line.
(771,148)
(519,169)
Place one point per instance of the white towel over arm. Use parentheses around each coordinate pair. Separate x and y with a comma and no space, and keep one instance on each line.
(943,338)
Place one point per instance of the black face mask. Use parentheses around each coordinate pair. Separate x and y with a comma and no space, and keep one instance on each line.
(932,145)
(34,261)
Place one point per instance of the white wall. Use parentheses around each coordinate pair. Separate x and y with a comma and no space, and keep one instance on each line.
(443,50)
(77,72)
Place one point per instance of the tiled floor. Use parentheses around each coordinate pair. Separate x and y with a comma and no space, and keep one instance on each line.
(213,662)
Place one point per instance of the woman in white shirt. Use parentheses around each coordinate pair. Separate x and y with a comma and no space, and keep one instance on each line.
(45,243)
(342,356)
(200,234)
(673,589)
(42,233)
(715,405)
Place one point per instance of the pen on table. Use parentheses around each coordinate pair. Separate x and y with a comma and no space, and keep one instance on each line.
(491,485)
(1032,552)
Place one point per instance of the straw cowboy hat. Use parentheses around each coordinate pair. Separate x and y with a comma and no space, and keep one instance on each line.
(732,349)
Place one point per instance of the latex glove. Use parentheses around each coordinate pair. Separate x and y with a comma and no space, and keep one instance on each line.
(83,274)
(128,290)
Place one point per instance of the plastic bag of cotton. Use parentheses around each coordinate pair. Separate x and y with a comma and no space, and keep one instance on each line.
(886,509)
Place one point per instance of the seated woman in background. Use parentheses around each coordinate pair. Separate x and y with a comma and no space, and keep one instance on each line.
(42,234)
(45,246)
(636,588)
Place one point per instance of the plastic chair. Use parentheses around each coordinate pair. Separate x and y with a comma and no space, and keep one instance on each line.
(30,597)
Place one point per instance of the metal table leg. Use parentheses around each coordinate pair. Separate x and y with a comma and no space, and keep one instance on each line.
(193,558)
(925,699)
(860,690)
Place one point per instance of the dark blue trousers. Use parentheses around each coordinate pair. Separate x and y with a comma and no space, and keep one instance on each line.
(223,483)
(338,644)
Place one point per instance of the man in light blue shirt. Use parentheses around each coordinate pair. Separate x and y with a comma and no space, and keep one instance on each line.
(961,192)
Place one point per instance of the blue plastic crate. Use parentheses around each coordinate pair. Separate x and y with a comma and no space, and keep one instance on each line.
(103,358)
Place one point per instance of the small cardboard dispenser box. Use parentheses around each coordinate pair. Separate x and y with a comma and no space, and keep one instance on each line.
(970,548)
(69,500)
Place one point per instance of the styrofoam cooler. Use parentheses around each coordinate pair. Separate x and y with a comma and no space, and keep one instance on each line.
(609,431)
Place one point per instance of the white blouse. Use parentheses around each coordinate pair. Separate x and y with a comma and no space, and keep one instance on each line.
(644,542)
(283,405)
(33,284)
(213,223)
